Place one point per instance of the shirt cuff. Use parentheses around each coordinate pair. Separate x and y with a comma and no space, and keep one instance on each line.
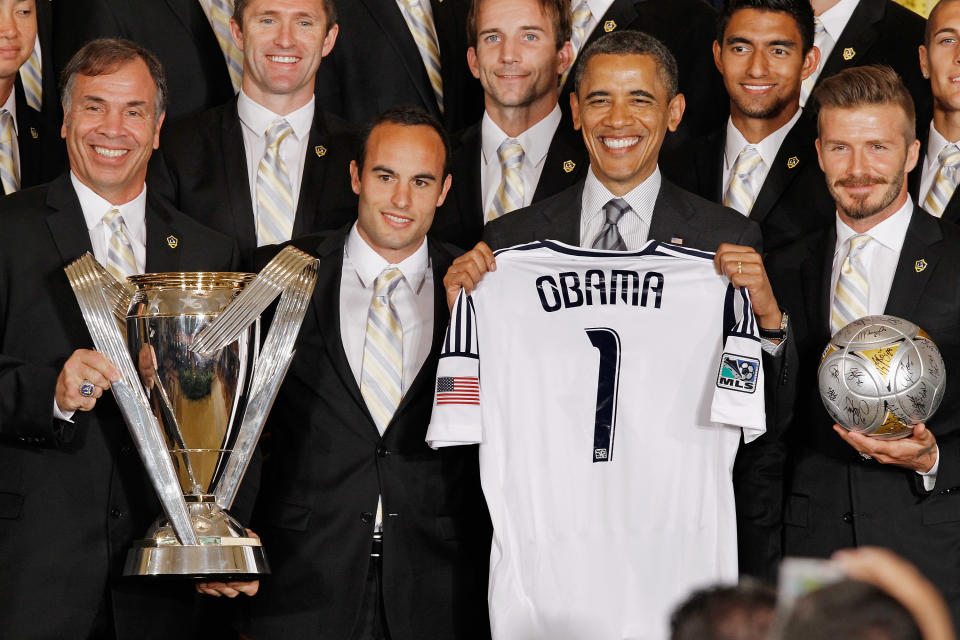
(930,477)
(61,415)
(772,348)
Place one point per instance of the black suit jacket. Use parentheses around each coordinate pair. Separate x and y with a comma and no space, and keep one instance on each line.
(201,168)
(835,498)
(952,210)
(688,28)
(794,199)
(74,496)
(177,31)
(376,65)
(327,466)
(461,218)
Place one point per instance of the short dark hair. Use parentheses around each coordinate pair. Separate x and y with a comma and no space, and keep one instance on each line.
(106,55)
(406,116)
(329,10)
(628,43)
(800,10)
(558,11)
(741,612)
(874,84)
(849,609)
(928,28)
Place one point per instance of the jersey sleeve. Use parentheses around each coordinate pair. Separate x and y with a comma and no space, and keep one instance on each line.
(738,398)
(456,400)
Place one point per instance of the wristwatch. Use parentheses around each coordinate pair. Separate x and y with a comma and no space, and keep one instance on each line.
(776,334)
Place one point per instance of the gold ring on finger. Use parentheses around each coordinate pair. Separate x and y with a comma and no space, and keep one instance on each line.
(739,266)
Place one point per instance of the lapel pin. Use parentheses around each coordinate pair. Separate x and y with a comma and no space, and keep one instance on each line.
(172,241)
(609,26)
(34,133)
(848,53)
(920,265)
(676,240)
(792,161)
(569,165)
(320,150)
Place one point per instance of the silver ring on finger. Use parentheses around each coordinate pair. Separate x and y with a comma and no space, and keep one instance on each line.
(87,389)
(739,266)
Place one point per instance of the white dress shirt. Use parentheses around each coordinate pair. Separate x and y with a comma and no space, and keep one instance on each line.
(834,21)
(535,142)
(768,148)
(413,299)
(634,227)
(255,119)
(931,162)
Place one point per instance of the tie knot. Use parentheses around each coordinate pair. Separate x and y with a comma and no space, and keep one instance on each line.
(277,131)
(950,156)
(581,14)
(747,161)
(615,209)
(113,219)
(818,27)
(386,282)
(510,153)
(858,242)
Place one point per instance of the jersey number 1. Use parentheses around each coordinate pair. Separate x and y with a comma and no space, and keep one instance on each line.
(607,342)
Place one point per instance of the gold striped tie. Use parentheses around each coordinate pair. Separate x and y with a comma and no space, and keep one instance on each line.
(581,18)
(9,176)
(424,34)
(739,193)
(219,12)
(274,190)
(120,260)
(32,78)
(945,182)
(382,372)
(850,298)
(510,194)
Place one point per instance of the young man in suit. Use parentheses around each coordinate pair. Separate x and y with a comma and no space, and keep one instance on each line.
(371,533)
(520,152)
(401,52)
(885,255)
(73,492)
(763,162)
(270,164)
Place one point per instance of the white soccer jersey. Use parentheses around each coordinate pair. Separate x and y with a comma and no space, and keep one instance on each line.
(602,387)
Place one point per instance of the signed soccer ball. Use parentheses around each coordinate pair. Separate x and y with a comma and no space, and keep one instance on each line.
(881,375)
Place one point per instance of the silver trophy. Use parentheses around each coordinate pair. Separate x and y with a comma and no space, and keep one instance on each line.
(195,388)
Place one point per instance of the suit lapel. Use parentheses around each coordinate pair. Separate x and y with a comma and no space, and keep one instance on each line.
(911,276)
(815,273)
(791,160)
(28,139)
(561,221)
(314,168)
(858,36)
(672,219)
(66,221)
(164,242)
(565,164)
(234,158)
(708,163)
(468,193)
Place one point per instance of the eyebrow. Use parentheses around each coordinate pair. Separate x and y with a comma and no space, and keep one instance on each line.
(788,44)
(636,92)
(423,176)
(950,30)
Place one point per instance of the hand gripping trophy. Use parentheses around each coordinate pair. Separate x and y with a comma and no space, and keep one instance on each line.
(195,388)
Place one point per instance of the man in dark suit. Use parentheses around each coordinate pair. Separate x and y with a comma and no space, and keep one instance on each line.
(73,493)
(763,162)
(371,533)
(520,152)
(270,164)
(845,489)
(379,62)
(179,32)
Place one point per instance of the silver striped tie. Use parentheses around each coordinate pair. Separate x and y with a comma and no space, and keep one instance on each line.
(945,182)
(425,36)
(382,372)
(274,190)
(120,259)
(850,300)
(739,193)
(510,194)
(32,78)
(9,176)
(219,16)
(609,237)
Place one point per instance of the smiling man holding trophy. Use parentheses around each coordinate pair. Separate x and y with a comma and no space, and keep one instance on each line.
(74,495)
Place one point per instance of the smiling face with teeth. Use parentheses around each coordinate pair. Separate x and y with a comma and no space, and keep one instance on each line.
(624,110)
(111,127)
(283,42)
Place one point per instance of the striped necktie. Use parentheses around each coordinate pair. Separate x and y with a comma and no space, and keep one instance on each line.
(510,194)
(581,18)
(274,189)
(382,372)
(820,37)
(219,13)
(9,176)
(850,298)
(120,260)
(424,34)
(32,78)
(945,181)
(739,193)
(609,237)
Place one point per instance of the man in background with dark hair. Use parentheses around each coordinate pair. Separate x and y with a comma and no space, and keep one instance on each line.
(372,534)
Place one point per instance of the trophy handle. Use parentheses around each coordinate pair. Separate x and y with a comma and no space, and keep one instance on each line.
(99,298)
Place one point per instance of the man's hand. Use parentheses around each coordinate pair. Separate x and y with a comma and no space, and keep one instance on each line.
(744,268)
(82,365)
(467,271)
(918,452)
(230,589)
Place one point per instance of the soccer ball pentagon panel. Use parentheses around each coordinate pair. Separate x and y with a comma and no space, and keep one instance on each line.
(881,375)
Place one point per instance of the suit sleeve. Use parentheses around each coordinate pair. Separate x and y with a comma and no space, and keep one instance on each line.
(752,237)
(26,404)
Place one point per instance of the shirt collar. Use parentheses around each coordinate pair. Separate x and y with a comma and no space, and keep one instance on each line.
(535,140)
(94,207)
(11,106)
(835,18)
(641,198)
(257,118)
(935,144)
(369,264)
(768,148)
(890,233)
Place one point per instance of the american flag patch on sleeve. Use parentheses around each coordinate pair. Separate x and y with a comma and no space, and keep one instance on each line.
(458,390)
